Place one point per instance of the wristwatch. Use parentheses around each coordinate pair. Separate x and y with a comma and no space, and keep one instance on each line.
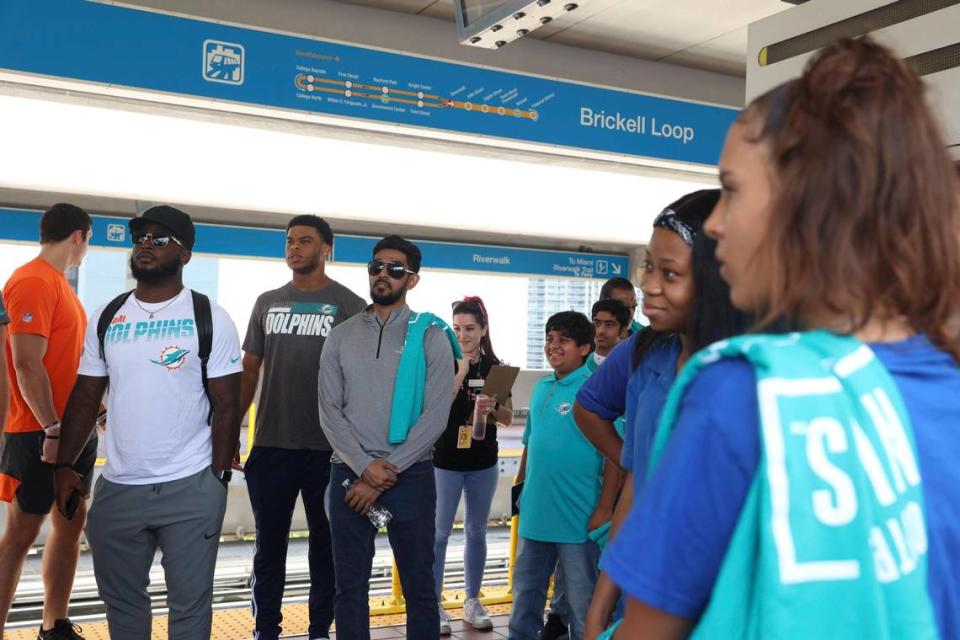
(53,425)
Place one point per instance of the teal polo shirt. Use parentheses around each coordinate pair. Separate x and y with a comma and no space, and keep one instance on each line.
(592,363)
(564,472)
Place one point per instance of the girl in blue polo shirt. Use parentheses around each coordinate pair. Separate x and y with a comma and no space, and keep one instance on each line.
(804,485)
(688,307)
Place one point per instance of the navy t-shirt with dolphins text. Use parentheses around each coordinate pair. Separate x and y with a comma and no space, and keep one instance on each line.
(287,329)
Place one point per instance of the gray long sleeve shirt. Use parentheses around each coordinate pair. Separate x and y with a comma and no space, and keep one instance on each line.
(358,368)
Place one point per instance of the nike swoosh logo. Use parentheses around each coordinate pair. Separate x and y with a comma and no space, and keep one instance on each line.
(207,537)
(234,359)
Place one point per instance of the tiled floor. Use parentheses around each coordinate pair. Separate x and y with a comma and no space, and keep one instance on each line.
(235,625)
(461,631)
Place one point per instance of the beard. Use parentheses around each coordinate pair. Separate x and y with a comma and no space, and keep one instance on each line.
(156,273)
(388,298)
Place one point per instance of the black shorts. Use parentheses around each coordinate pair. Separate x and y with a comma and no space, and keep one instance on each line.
(24,475)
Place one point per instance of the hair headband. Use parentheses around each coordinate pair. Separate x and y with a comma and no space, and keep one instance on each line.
(668,220)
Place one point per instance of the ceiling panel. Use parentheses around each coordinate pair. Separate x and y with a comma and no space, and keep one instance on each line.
(640,28)
(658,29)
(569,20)
(402,6)
(703,34)
(442,9)
(725,54)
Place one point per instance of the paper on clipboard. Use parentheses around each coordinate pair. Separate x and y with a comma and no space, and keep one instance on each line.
(499,381)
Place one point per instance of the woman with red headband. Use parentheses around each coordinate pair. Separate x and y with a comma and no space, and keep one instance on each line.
(468,467)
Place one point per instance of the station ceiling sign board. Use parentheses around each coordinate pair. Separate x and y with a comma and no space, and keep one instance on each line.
(133,48)
(112,232)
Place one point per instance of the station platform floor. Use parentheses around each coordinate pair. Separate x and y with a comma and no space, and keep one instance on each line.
(235,624)
(232,616)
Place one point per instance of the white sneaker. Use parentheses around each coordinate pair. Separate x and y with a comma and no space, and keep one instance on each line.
(476,615)
(444,622)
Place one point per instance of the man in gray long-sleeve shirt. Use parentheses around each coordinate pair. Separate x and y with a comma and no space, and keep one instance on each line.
(358,369)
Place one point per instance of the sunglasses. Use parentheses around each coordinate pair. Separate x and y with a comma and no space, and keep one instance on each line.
(395,270)
(159,240)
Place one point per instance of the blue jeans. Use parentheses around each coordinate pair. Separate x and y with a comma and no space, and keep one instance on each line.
(413,503)
(477,488)
(558,601)
(274,479)
(531,576)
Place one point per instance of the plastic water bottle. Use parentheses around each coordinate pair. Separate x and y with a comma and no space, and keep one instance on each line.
(378,515)
(480,412)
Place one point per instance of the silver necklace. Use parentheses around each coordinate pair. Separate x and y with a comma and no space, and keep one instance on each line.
(155,311)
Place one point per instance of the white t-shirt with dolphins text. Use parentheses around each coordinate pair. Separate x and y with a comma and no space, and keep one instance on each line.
(157,410)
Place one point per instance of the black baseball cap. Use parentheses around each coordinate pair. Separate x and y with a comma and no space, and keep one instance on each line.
(172,219)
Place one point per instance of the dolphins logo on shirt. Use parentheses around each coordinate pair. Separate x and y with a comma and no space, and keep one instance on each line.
(172,358)
(564,408)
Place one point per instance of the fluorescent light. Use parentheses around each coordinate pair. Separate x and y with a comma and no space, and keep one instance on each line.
(74,148)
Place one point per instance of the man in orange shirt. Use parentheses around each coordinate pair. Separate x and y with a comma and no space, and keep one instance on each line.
(46,329)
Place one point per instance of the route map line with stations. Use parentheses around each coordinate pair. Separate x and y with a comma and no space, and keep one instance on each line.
(386,95)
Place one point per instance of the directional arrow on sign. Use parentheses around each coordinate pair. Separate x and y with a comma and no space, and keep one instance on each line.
(617,269)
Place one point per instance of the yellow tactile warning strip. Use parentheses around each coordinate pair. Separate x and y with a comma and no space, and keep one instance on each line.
(237,624)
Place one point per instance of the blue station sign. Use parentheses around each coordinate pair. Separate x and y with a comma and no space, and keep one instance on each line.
(112,232)
(135,48)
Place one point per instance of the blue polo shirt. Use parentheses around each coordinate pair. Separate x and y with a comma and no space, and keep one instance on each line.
(616,389)
(671,547)
(605,393)
(564,472)
(647,390)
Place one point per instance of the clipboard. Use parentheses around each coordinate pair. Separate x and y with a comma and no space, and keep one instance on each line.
(500,381)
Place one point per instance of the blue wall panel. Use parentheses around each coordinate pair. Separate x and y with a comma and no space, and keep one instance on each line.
(112,232)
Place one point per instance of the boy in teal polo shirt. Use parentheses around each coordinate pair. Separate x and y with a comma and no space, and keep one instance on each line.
(562,475)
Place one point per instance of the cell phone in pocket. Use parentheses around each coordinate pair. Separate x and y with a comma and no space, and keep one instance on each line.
(515,492)
(73,502)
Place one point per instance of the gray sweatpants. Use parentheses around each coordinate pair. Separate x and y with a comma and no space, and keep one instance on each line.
(126,525)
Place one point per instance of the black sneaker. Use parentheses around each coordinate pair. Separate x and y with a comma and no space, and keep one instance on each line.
(554,629)
(62,630)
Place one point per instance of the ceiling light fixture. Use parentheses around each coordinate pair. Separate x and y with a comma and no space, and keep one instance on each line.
(480,23)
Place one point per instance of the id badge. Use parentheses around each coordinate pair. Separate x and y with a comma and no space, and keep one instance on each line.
(464,438)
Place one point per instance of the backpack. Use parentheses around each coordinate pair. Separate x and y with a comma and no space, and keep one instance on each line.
(203,316)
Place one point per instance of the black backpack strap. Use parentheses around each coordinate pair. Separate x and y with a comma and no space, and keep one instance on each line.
(106,317)
(203,316)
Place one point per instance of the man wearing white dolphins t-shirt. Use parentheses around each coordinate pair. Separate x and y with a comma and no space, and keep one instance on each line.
(169,441)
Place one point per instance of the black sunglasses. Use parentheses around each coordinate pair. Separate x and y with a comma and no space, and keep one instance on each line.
(394,269)
(159,240)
